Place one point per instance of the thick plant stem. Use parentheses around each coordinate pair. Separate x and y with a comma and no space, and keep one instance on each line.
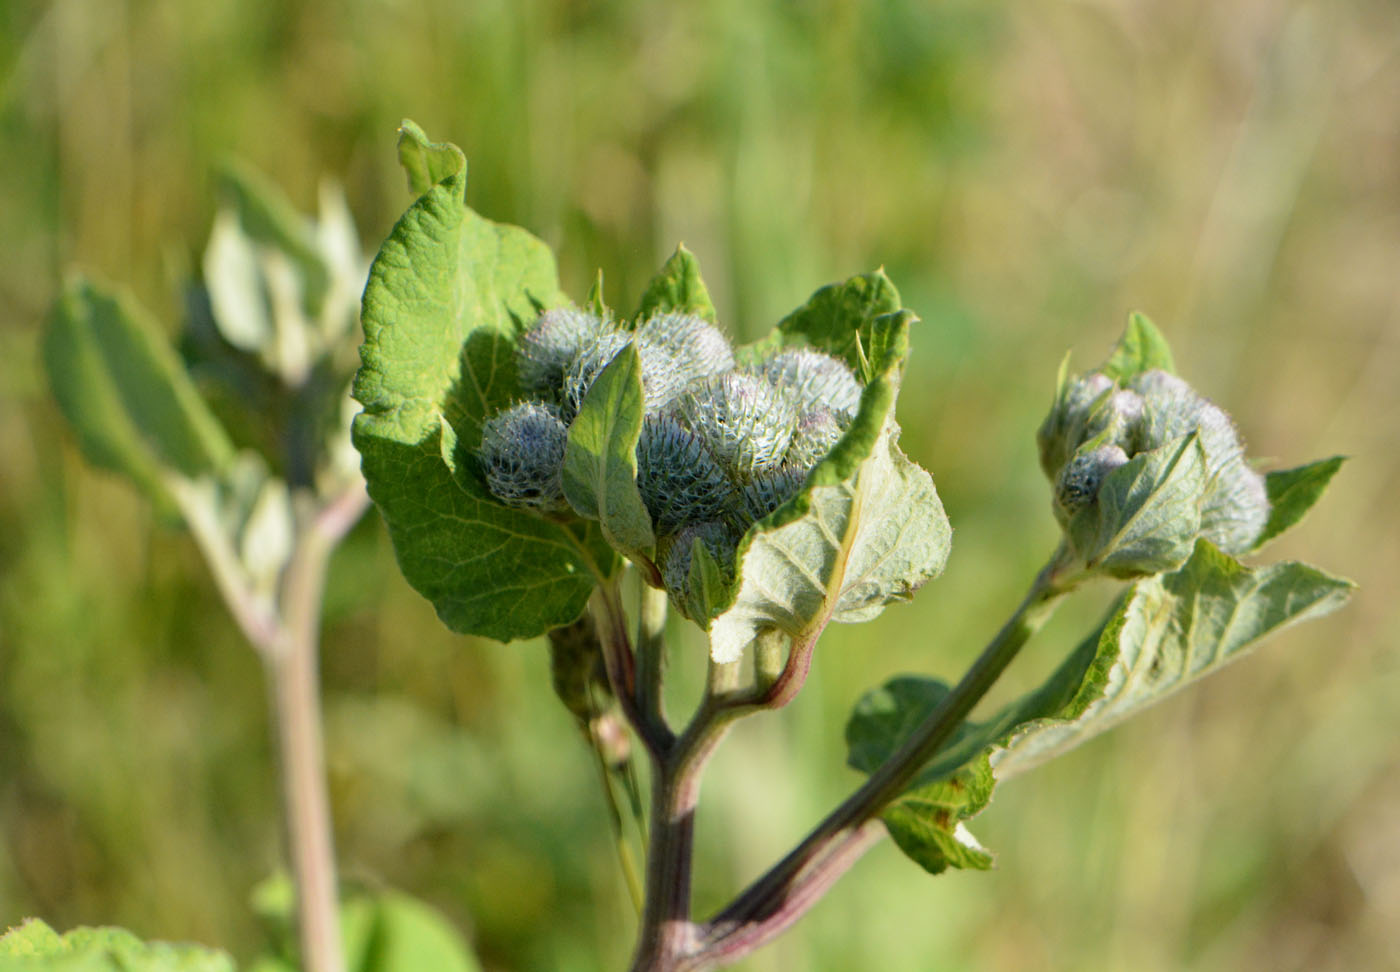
(667,935)
(795,883)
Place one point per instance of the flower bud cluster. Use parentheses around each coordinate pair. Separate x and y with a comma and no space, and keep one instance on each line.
(1096,425)
(720,446)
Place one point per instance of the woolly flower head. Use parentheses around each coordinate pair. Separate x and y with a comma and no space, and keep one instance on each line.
(744,422)
(814,379)
(680,483)
(697,347)
(522,456)
(545,351)
(1095,426)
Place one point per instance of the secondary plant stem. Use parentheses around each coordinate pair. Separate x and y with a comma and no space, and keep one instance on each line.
(795,883)
(651,647)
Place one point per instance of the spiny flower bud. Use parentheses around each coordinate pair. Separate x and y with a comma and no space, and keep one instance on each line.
(547,348)
(697,347)
(1236,508)
(522,454)
(1062,432)
(678,480)
(1078,483)
(662,378)
(814,379)
(768,490)
(745,422)
(1236,504)
(817,431)
(674,556)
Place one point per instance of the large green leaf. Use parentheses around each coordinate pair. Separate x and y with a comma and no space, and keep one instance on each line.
(867,527)
(1164,632)
(1292,492)
(1141,348)
(35,947)
(677,287)
(447,295)
(1170,630)
(600,460)
(1147,512)
(126,393)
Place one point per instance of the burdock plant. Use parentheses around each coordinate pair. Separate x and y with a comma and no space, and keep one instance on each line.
(531,454)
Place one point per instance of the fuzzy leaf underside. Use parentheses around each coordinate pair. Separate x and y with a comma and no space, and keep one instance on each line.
(677,287)
(1164,632)
(1147,513)
(35,947)
(1170,630)
(1141,348)
(600,460)
(867,527)
(126,393)
(1292,492)
(447,295)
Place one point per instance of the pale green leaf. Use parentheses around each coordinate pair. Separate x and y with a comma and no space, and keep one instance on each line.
(447,295)
(1292,492)
(1170,630)
(678,288)
(1141,348)
(867,527)
(130,401)
(1147,513)
(270,220)
(600,460)
(34,947)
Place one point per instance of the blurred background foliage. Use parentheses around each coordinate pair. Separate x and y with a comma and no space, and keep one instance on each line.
(1027,173)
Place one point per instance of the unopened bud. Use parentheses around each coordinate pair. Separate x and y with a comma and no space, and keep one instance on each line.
(522,455)
(679,481)
(815,379)
(816,432)
(674,556)
(546,349)
(1078,483)
(745,422)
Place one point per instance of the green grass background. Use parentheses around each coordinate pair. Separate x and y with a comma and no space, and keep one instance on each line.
(1027,174)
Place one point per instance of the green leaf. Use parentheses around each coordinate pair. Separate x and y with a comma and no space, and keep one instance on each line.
(392,932)
(600,460)
(1164,632)
(1292,492)
(130,401)
(927,823)
(867,527)
(677,287)
(1168,631)
(838,319)
(447,295)
(425,162)
(35,947)
(1141,348)
(1147,512)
